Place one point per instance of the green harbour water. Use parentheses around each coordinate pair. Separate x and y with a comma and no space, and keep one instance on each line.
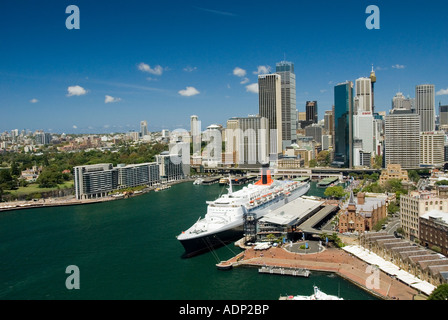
(127,249)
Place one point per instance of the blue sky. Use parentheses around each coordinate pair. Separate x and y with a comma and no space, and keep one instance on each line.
(162,61)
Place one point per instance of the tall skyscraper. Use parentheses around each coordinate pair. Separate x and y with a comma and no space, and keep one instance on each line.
(373,81)
(364,97)
(425,105)
(329,122)
(247,139)
(270,107)
(195,131)
(194,125)
(402,131)
(288,93)
(363,129)
(143,128)
(311,112)
(343,124)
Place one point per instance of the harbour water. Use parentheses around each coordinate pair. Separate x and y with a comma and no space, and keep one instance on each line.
(127,249)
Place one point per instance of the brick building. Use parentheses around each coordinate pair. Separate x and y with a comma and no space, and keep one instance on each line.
(361,214)
(434,230)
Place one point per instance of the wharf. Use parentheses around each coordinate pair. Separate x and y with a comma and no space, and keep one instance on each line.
(330,260)
(327,181)
(302,179)
(296,272)
(211,180)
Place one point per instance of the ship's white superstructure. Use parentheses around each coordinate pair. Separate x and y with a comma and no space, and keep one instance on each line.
(317,295)
(226,214)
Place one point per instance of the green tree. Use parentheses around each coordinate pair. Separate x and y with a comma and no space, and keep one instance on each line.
(378,162)
(374,187)
(323,158)
(413,176)
(393,208)
(442,183)
(335,192)
(50,178)
(7,180)
(15,170)
(440,293)
(313,163)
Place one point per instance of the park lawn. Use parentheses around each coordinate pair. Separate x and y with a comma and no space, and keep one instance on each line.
(34,188)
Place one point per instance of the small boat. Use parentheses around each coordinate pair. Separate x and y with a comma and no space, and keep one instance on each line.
(317,295)
(198,181)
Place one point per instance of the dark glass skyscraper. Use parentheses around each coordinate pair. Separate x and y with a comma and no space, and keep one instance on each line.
(343,125)
(311,112)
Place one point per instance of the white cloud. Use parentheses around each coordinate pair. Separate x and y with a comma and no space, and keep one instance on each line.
(323,90)
(263,70)
(190,69)
(252,88)
(245,80)
(109,99)
(224,13)
(157,70)
(76,91)
(398,66)
(239,72)
(442,92)
(75,127)
(189,91)
(34,100)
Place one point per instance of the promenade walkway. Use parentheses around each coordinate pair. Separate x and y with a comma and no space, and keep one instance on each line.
(333,260)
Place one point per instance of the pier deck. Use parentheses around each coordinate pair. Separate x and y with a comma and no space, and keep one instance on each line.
(296,272)
(331,260)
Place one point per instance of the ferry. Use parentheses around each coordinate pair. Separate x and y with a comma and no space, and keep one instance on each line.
(317,295)
(223,222)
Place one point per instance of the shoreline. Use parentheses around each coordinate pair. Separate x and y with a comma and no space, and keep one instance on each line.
(330,260)
(71,201)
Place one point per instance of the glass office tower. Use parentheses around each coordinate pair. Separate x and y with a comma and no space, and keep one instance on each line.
(343,125)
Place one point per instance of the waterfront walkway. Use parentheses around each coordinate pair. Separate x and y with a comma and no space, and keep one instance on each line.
(72,201)
(332,260)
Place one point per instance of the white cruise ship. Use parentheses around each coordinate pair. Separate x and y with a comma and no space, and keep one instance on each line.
(224,220)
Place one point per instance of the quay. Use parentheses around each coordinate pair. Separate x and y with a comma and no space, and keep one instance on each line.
(331,260)
(72,201)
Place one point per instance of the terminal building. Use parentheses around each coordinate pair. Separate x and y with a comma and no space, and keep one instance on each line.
(301,217)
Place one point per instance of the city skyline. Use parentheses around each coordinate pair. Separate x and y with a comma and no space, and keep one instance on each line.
(163,62)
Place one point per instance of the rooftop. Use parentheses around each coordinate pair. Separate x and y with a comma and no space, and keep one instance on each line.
(292,212)
(436,214)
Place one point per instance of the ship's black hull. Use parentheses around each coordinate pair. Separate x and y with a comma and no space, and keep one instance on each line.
(207,243)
